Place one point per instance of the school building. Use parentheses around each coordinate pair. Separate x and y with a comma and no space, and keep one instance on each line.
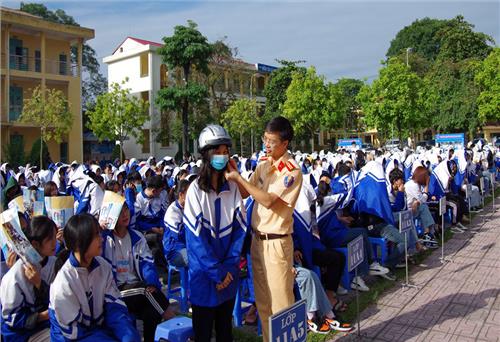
(138,60)
(36,52)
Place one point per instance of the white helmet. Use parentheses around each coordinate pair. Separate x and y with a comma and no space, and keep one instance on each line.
(213,136)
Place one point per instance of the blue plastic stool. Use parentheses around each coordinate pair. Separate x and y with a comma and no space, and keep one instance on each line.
(379,244)
(418,227)
(180,293)
(347,276)
(177,329)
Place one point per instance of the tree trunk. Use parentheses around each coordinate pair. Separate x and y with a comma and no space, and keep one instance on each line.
(241,144)
(121,151)
(41,148)
(185,108)
(312,141)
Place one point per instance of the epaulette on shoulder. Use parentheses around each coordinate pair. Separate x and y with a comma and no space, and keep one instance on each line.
(291,165)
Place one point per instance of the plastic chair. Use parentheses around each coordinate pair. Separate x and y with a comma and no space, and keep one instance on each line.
(178,329)
(180,293)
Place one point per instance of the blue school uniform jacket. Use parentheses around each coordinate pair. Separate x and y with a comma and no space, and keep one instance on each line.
(149,211)
(174,236)
(85,304)
(144,266)
(20,305)
(215,231)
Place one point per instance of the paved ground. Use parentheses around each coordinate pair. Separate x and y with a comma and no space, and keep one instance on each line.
(457,301)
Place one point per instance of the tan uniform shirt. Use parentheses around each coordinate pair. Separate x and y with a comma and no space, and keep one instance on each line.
(283,178)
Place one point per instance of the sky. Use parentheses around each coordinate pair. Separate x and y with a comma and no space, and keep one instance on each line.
(340,38)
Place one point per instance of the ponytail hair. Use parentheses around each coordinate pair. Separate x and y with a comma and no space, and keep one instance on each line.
(323,190)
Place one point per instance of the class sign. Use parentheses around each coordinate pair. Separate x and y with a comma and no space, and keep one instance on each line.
(290,324)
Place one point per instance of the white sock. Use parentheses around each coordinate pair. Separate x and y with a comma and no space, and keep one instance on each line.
(310,316)
(330,315)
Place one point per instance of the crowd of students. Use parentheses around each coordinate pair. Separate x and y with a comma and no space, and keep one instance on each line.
(93,283)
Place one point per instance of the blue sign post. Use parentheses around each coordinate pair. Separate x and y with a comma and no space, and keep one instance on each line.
(405,225)
(290,324)
(355,256)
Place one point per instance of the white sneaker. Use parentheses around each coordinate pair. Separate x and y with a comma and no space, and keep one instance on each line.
(461,226)
(359,284)
(377,269)
(341,291)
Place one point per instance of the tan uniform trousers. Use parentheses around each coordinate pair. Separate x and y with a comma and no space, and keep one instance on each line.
(272,262)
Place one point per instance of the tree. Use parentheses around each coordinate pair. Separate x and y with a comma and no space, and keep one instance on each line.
(117,115)
(394,100)
(34,156)
(93,82)
(488,81)
(445,39)
(307,104)
(459,42)
(277,85)
(451,96)
(187,48)
(13,153)
(421,36)
(241,118)
(347,105)
(49,110)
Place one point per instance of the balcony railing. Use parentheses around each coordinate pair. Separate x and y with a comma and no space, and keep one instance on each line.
(27,63)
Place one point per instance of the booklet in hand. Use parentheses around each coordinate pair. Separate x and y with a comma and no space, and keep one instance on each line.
(111,208)
(60,209)
(15,238)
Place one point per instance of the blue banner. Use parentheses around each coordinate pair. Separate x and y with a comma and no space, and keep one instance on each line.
(453,138)
(265,68)
(348,142)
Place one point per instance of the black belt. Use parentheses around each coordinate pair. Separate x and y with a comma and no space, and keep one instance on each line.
(265,236)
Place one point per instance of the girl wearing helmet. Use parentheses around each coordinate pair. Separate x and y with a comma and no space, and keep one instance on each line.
(215,224)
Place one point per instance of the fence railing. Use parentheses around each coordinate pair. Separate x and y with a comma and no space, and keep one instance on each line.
(32,64)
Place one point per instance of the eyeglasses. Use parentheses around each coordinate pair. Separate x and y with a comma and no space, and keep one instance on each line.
(272,143)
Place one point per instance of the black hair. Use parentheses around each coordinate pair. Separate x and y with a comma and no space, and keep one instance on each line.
(323,190)
(78,234)
(206,171)
(181,173)
(282,126)
(99,179)
(111,184)
(343,169)
(395,174)
(33,188)
(40,228)
(134,176)
(47,188)
(182,186)
(154,182)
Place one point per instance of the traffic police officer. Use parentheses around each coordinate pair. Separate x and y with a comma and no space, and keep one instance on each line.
(275,186)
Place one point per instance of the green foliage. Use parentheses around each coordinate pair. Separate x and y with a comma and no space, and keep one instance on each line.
(488,81)
(451,96)
(277,85)
(34,156)
(118,115)
(308,103)
(187,48)
(421,36)
(347,106)
(13,153)
(49,111)
(241,119)
(394,100)
(459,42)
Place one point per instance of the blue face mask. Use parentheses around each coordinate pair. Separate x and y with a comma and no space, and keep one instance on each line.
(219,161)
(138,188)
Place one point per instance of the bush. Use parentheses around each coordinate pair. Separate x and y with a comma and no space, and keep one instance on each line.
(13,153)
(34,157)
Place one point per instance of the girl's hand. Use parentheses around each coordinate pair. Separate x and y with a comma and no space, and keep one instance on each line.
(43,316)
(33,275)
(59,235)
(232,173)
(11,258)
